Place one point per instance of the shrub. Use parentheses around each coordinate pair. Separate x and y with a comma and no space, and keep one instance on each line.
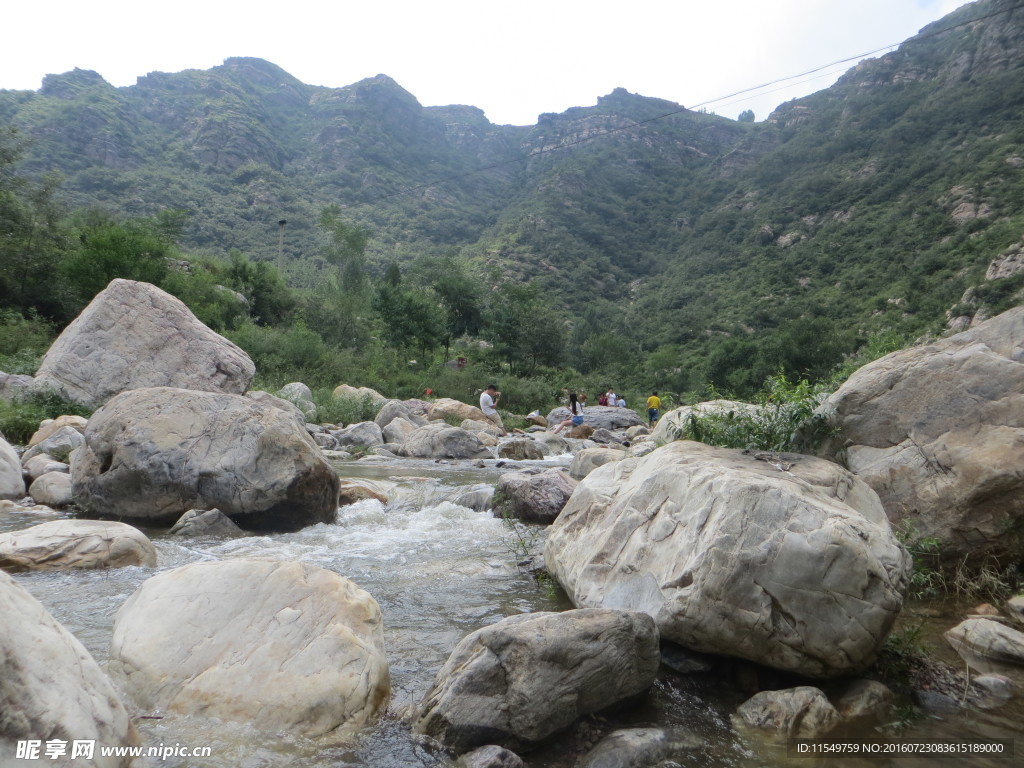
(784,417)
(344,410)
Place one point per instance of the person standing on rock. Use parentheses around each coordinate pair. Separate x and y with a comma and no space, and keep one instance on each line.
(488,400)
(653,409)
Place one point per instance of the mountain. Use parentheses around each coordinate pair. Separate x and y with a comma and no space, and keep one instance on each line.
(705,248)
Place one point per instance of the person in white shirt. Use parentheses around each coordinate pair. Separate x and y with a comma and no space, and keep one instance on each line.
(488,400)
(621,402)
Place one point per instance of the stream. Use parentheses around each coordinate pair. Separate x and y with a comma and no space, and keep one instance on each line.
(440,571)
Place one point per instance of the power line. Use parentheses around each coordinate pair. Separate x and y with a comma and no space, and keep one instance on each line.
(683,110)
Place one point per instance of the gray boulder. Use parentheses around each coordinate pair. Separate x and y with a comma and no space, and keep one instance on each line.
(600,417)
(134,335)
(550,444)
(59,445)
(589,459)
(491,756)
(38,466)
(535,497)
(797,713)
(516,682)
(51,687)
(938,431)
(641,748)
(12,484)
(16,386)
(981,641)
(397,430)
(365,434)
(69,544)
(523,449)
(437,440)
(52,489)
(301,397)
(281,646)
(210,522)
(480,498)
(153,454)
(396,409)
(788,562)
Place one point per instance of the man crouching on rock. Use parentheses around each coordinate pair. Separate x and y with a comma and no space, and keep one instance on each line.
(488,399)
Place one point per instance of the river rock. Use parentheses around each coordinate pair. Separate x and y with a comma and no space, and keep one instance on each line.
(480,498)
(446,409)
(358,490)
(210,522)
(787,562)
(605,437)
(267,399)
(986,640)
(589,459)
(491,756)
(938,432)
(12,484)
(68,544)
(52,489)
(301,397)
(59,445)
(396,409)
(526,677)
(550,444)
(638,431)
(472,425)
(440,441)
(51,687)
(599,417)
(16,386)
(535,497)
(281,646)
(48,426)
(134,335)
(39,465)
(153,454)
(864,700)
(523,449)
(797,713)
(1015,608)
(642,747)
(365,434)
(398,429)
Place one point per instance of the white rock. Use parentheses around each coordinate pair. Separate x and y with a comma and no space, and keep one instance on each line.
(67,544)
(285,647)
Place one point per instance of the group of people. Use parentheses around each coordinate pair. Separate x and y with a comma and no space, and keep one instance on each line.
(490,396)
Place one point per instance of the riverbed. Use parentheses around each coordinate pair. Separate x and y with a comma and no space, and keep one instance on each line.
(439,571)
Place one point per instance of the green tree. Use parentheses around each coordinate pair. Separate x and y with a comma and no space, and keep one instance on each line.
(346,248)
(746,116)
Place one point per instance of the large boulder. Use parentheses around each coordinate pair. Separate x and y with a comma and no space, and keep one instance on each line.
(446,409)
(67,544)
(52,489)
(301,396)
(365,434)
(396,409)
(516,682)
(134,335)
(12,484)
(521,449)
(797,713)
(589,459)
(787,561)
(533,496)
(938,432)
(359,393)
(600,417)
(440,441)
(281,646)
(51,688)
(982,641)
(153,454)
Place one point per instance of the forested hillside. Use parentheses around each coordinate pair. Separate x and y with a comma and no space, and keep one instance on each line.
(633,240)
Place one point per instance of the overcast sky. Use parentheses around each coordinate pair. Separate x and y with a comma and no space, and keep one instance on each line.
(514,60)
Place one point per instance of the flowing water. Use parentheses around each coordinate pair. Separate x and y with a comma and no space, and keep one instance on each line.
(439,571)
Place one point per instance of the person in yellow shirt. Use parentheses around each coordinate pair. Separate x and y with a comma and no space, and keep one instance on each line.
(653,409)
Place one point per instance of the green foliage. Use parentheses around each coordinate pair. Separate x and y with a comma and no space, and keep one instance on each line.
(343,410)
(19,419)
(784,417)
(109,249)
(746,116)
(23,341)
